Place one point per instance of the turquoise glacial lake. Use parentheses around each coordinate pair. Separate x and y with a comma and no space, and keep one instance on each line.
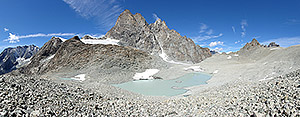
(160,87)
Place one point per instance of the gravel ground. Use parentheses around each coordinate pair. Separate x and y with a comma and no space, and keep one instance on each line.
(22,95)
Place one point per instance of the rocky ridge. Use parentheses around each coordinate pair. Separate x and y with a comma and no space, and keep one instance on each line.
(74,55)
(157,38)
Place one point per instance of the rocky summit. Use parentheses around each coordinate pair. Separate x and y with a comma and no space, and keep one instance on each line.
(12,58)
(156,38)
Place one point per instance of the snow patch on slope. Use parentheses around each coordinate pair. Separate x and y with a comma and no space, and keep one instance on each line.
(22,62)
(194,68)
(147,75)
(80,77)
(105,42)
(48,58)
(164,56)
(62,39)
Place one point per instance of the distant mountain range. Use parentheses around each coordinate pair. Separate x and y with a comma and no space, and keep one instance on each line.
(12,58)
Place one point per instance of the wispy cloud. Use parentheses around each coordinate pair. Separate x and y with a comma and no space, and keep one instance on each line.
(244,24)
(205,33)
(105,12)
(6,29)
(155,16)
(203,28)
(238,41)
(207,37)
(284,41)
(16,38)
(256,37)
(292,21)
(233,29)
(212,44)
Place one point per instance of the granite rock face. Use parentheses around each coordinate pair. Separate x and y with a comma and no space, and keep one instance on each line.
(11,58)
(157,38)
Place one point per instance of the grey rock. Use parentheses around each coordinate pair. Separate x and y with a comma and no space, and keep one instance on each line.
(133,30)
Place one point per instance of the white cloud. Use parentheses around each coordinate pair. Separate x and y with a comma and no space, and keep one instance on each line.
(203,28)
(105,12)
(6,29)
(15,38)
(233,29)
(256,37)
(212,44)
(292,21)
(244,24)
(218,49)
(207,37)
(209,32)
(284,41)
(155,16)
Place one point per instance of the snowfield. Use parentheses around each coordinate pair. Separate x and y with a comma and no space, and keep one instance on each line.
(147,75)
(80,77)
(105,42)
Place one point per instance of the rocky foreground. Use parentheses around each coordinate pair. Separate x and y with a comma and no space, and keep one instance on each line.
(20,95)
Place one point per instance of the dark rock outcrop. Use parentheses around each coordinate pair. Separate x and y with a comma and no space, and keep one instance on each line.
(273,44)
(157,38)
(12,57)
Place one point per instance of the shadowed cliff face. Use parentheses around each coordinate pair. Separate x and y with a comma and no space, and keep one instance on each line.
(157,38)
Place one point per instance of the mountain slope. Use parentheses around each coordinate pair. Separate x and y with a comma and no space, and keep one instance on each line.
(157,38)
(74,55)
(12,58)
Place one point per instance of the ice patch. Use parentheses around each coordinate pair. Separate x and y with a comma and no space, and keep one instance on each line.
(228,52)
(216,71)
(236,55)
(194,68)
(275,48)
(147,75)
(266,78)
(80,77)
(265,63)
(62,39)
(291,68)
(229,57)
(22,62)
(48,58)
(105,42)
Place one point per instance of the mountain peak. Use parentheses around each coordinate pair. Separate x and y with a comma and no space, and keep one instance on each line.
(156,38)
(126,11)
(254,42)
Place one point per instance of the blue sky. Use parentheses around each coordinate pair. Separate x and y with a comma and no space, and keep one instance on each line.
(224,25)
